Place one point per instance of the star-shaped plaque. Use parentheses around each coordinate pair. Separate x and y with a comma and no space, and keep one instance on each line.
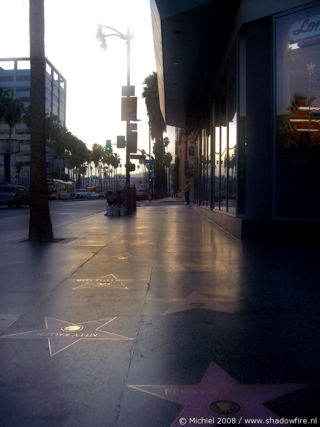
(108,281)
(177,268)
(62,334)
(195,300)
(219,396)
(6,320)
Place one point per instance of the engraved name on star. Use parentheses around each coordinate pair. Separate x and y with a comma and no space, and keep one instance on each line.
(62,334)
(219,395)
(106,281)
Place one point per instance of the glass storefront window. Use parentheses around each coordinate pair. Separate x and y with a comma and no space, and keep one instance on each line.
(232,136)
(224,167)
(209,167)
(225,137)
(217,168)
(232,173)
(242,126)
(297,38)
(205,167)
(219,156)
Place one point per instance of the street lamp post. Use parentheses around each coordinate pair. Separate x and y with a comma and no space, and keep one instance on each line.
(127,37)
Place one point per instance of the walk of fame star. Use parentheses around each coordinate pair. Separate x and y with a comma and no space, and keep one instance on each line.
(219,395)
(123,257)
(62,334)
(107,281)
(177,268)
(195,300)
(6,320)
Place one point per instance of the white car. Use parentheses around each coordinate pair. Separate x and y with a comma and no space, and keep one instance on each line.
(92,195)
(81,193)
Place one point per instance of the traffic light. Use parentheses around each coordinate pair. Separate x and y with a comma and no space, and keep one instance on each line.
(108,145)
(150,169)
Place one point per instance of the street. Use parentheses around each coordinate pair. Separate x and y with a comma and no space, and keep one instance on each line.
(155,319)
(14,222)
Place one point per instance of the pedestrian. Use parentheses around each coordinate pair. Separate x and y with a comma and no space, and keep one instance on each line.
(187,192)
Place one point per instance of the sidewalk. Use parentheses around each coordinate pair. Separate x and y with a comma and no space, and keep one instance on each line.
(157,319)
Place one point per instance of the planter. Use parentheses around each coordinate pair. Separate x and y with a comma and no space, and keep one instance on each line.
(123,211)
(109,210)
(115,211)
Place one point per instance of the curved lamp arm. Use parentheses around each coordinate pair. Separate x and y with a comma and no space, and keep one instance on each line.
(102,37)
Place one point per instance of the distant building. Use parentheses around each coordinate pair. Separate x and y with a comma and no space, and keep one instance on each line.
(15,77)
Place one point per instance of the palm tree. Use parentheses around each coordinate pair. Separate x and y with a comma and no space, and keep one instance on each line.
(157,127)
(3,95)
(166,142)
(97,154)
(115,162)
(167,163)
(77,154)
(167,160)
(151,95)
(141,161)
(40,227)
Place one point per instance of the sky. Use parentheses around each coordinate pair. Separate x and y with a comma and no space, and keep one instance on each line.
(94,76)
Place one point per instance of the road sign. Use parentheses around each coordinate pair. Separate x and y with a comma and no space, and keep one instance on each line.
(132,142)
(137,156)
(129,108)
(121,142)
(127,91)
(149,161)
(132,167)
(133,127)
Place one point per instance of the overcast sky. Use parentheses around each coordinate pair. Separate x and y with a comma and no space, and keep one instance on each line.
(94,76)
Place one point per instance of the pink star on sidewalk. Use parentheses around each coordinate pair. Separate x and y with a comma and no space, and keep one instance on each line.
(195,300)
(219,395)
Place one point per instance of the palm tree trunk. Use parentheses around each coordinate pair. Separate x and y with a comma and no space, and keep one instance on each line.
(7,167)
(40,227)
(7,160)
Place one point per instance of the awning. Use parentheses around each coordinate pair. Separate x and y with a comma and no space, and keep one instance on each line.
(190,39)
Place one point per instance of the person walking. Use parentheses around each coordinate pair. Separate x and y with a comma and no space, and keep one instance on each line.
(187,192)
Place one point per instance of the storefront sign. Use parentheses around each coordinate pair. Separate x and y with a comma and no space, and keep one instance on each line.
(306,31)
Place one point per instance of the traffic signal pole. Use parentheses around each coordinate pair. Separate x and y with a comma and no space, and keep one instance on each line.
(102,38)
(128,121)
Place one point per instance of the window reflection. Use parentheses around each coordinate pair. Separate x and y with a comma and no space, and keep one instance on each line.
(232,172)
(224,166)
(298,114)
(217,170)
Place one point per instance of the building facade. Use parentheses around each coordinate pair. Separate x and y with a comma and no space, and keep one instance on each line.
(242,79)
(15,77)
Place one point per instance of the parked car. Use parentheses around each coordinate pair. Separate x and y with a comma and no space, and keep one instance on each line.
(14,195)
(92,195)
(81,193)
(142,194)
